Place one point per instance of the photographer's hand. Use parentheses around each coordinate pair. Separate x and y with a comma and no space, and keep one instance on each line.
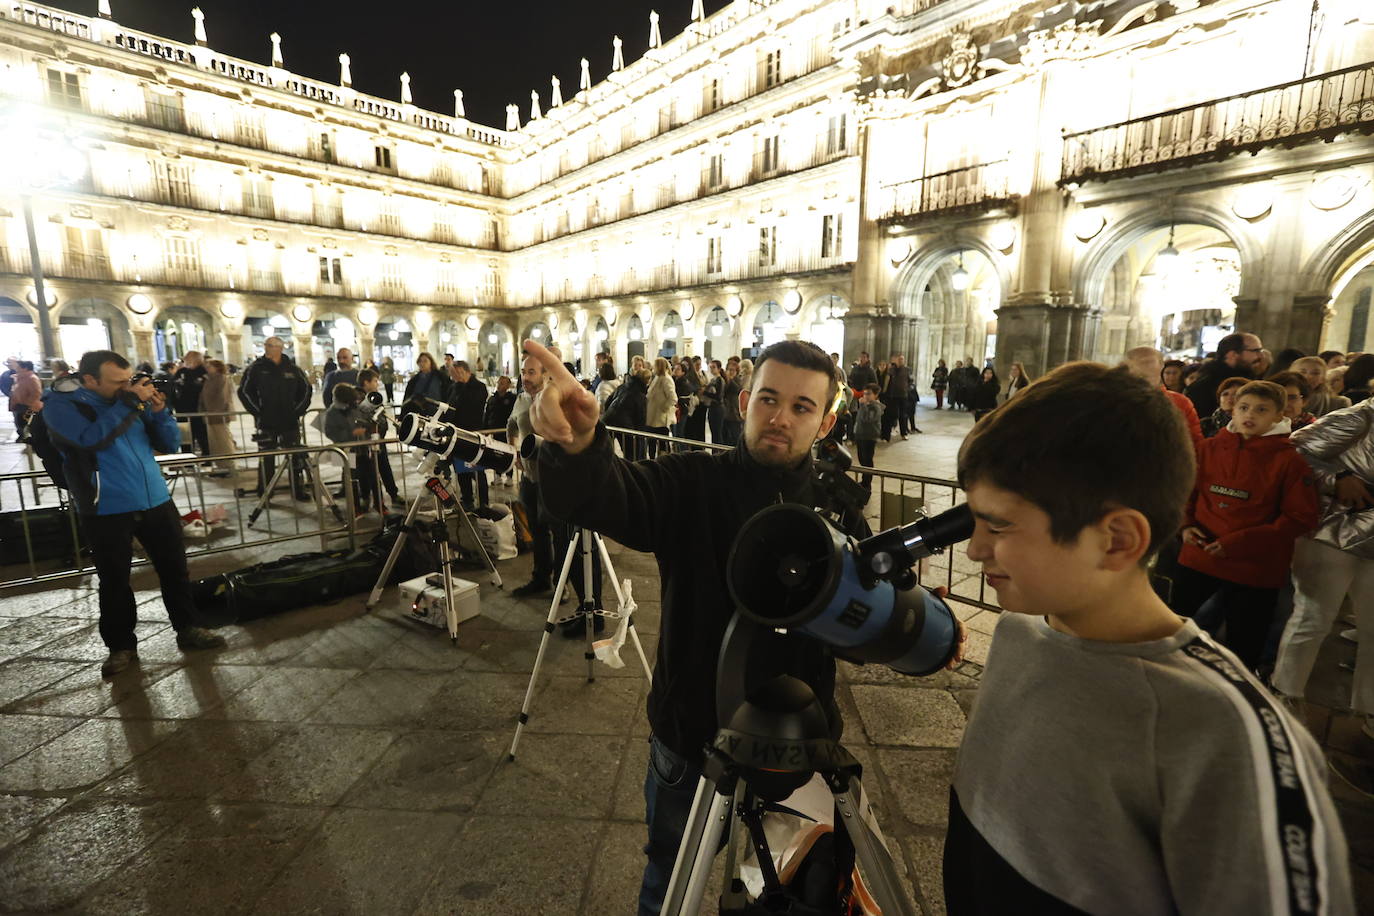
(144,390)
(157,401)
(563,411)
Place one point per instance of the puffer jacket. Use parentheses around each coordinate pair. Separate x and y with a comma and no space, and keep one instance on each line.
(1255,496)
(1343,440)
(662,398)
(108,461)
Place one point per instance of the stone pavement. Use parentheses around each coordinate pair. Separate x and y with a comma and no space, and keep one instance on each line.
(335,761)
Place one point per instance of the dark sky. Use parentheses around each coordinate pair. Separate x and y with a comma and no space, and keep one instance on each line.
(496,52)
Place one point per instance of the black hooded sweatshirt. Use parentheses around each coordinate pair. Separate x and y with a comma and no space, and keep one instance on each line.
(651,506)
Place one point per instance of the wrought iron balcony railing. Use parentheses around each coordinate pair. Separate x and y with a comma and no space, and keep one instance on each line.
(1303,111)
(984,186)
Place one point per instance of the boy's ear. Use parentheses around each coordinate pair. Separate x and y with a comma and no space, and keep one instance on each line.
(1126,539)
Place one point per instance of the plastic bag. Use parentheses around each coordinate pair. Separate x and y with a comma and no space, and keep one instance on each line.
(608,650)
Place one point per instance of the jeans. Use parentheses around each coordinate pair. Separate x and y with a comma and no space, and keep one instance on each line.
(715,419)
(1322,578)
(1247,610)
(866,448)
(669,787)
(895,415)
(539,530)
(111,540)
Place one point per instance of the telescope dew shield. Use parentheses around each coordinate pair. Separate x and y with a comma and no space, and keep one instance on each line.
(790,568)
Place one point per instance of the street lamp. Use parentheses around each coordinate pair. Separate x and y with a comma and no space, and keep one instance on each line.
(46,159)
(959,278)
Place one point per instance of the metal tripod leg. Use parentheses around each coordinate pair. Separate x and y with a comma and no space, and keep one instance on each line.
(711,813)
(406,527)
(446,571)
(266,496)
(873,859)
(587,608)
(608,569)
(539,656)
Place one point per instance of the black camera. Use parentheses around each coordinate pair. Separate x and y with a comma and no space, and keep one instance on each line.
(371,403)
(265,439)
(163,386)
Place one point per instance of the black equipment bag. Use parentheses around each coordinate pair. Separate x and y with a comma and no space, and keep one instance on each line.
(47,450)
(50,532)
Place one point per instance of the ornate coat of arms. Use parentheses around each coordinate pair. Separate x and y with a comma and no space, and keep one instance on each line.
(960,65)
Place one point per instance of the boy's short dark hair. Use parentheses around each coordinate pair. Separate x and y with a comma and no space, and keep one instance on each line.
(873,388)
(92,360)
(1084,440)
(1284,379)
(1235,381)
(367,375)
(1267,390)
(802,355)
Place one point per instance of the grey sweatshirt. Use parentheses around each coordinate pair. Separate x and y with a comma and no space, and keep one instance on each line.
(1143,778)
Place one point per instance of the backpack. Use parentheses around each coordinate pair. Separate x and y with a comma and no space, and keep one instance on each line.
(47,450)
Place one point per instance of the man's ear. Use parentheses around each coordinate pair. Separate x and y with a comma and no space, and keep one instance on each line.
(743,402)
(826,425)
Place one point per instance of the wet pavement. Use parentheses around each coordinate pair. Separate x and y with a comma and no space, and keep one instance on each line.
(333,760)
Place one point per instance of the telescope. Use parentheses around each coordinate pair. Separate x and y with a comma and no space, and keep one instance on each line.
(453,443)
(371,403)
(790,568)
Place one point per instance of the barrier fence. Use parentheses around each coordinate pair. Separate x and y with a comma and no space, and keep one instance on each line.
(42,541)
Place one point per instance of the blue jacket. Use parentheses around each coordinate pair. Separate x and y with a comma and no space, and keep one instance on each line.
(108,461)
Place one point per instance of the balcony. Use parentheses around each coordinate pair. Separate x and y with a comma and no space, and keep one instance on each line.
(1318,108)
(264,280)
(973,188)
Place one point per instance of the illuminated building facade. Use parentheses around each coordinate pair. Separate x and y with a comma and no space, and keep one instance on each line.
(1032,181)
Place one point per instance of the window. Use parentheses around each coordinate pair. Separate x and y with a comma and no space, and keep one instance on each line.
(174,183)
(832,235)
(770,69)
(713,255)
(257,196)
(181,257)
(85,253)
(443,225)
(164,111)
(324,148)
(836,139)
(768,246)
(769,157)
(1359,321)
(715,171)
(596,149)
(393,282)
(388,218)
(382,157)
(667,116)
(331,271)
(627,135)
(447,280)
(249,127)
(64,89)
(710,95)
(594,212)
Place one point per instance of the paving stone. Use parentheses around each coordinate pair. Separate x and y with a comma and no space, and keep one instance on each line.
(283,694)
(629,789)
(185,693)
(24,733)
(563,775)
(927,858)
(618,870)
(396,699)
(85,645)
(431,771)
(87,693)
(919,781)
(514,866)
(913,717)
(218,860)
(882,674)
(427,650)
(23,676)
(478,701)
(19,814)
(402,851)
(77,848)
(354,646)
(84,756)
(574,706)
(195,761)
(30,633)
(309,765)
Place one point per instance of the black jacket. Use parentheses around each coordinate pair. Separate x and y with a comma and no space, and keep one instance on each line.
(985,396)
(277,394)
(469,402)
(628,405)
(418,382)
(188,384)
(861,377)
(498,409)
(642,505)
(1203,391)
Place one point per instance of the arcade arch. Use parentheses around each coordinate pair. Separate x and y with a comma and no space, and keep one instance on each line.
(496,350)
(330,333)
(719,334)
(177,330)
(96,324)
(954,292)
(394,339)
(260,324)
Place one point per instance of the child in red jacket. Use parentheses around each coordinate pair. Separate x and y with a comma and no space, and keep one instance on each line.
(1254,495)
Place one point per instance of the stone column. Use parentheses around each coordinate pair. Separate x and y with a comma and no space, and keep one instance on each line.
(1306,322)
(305,356)
(233,347)
(1248,314)
(1041,337)
(143,346)
(688,345)
(366,343)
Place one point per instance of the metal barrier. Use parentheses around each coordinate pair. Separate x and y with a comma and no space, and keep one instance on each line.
(898,499)
(44,543)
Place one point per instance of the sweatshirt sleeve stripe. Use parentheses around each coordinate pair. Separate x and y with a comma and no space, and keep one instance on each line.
(1294,836)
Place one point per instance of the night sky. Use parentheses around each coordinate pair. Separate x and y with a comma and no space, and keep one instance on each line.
(496,52)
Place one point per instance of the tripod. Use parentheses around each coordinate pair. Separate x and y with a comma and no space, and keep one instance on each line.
(322,497)
(769,745)
(587,611)
(443,499)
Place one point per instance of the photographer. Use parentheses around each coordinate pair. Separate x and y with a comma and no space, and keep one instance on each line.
(277,393)
(107,429)
(642,505)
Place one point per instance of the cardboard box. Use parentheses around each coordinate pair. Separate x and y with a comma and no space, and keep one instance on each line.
(422,599)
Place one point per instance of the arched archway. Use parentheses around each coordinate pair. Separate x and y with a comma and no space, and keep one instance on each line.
(821,324)
(19,334)
(719,333)
(634,345)
(260,324)
(1341,277)
(394,339)
(954,291)
(769,325)
(496,350)
(179,329)
(96,324)
(670,334)
(330,333)
(539,332)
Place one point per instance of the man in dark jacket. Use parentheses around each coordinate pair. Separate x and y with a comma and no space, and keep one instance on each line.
(894,396)
(107,429)
(642,504)
(861,374)
(190,379)
(277,393)
(1236,355)
(468,397)
(344,372)
(499,406)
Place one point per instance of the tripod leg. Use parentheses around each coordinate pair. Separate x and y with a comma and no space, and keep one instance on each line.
(322,498)
(874,860)
(687,889)
(608,569)
(588,607)
(446,571)
(266,496)
(733,897)
(481,548)
(396,549)
(539,656)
